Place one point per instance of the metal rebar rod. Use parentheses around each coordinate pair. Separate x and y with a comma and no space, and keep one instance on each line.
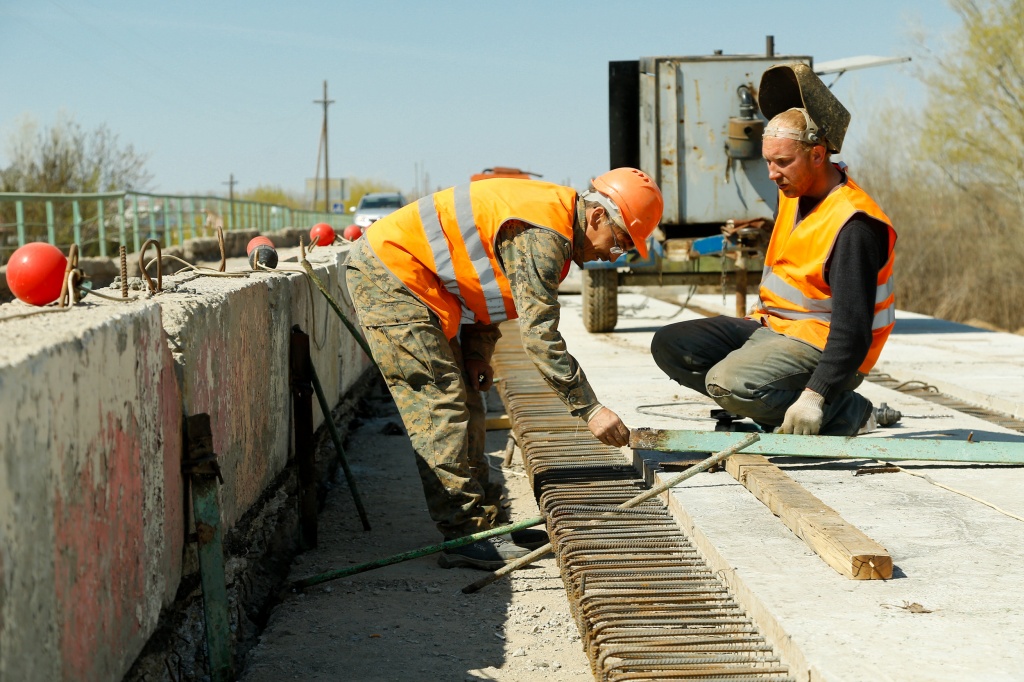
(333,430)
(204,475)
(510,448)
(647,494)
(416,553)
(305,453)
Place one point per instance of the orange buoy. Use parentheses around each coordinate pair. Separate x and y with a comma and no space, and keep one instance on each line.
(322,234)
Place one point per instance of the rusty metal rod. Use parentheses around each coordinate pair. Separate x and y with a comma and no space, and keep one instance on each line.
(646,495)
(305,453)
(510,448)
(333,430)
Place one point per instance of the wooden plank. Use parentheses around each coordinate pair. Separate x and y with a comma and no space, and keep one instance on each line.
(841,545)
(496,422)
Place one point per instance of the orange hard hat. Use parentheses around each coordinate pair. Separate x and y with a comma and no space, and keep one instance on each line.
(638,200)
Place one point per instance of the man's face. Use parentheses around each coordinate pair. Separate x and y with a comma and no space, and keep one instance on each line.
(791,166)
(602,235)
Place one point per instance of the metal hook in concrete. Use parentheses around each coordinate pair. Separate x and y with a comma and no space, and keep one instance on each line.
(159,286)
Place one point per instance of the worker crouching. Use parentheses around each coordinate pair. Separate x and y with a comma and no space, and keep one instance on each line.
(432,281)
(826,303)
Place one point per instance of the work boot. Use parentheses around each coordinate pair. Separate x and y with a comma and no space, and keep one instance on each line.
(488,555)
(528,538)
(870,424)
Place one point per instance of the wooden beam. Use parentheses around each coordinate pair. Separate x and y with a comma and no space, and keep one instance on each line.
(841,545)
(496,422)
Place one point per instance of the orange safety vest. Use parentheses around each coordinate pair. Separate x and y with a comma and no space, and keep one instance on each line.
(442,247)
(794,298)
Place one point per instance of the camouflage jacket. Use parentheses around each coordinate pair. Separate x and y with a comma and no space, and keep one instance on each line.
(533,259)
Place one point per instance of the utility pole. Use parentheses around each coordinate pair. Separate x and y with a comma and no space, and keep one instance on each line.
(323,137)
(231,199)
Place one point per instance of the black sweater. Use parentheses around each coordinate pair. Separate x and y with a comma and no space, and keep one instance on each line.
(860,251)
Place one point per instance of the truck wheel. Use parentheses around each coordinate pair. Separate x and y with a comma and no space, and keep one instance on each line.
(600,300)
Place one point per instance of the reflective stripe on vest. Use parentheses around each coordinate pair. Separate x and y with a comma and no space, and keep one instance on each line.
(442,257)
(443,247)
(438,244)
(794,297)
(477,254)
(820,309)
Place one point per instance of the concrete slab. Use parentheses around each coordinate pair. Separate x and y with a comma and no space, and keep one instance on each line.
(230,339)
(91,523)
(959,560)
(92,517)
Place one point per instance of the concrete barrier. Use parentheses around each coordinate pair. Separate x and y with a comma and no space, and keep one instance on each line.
(92,508)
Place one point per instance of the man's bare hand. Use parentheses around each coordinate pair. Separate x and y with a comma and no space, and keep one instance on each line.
(608,428)
(479,375)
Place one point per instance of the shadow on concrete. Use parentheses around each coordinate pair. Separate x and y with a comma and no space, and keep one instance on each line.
(934,326)
(408,621)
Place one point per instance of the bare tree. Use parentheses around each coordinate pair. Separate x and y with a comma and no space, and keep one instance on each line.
(951,176)
(66,158)
(975,114)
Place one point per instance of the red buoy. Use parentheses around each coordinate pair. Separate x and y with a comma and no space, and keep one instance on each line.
(352,233)
(256,241)
(322,234)
(35,273)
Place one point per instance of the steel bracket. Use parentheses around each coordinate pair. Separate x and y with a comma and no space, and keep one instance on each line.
(200,464)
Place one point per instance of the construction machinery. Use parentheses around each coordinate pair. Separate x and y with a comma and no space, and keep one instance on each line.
(504,172)
(693,124)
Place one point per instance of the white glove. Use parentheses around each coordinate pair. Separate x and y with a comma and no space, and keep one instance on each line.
(803,417)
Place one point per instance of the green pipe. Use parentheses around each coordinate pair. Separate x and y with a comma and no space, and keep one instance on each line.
(51,230)
(835,447)
(135,222)
(415,554)
(19,211)
(76,222)
(181,225)
(204,475)
(101,223)
(326,409)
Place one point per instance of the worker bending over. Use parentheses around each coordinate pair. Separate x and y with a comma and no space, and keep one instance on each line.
(826,303)
(430,283)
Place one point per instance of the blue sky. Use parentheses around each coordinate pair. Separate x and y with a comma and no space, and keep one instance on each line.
(208,89)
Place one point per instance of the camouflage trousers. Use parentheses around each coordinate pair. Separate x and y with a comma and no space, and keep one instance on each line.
(425,373)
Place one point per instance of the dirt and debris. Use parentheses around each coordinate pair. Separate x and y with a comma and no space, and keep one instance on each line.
(912,607)
(410,621)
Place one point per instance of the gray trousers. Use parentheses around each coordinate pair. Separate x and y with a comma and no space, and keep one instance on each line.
(752,371)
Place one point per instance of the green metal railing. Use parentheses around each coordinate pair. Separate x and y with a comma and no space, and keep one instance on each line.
(99,223)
